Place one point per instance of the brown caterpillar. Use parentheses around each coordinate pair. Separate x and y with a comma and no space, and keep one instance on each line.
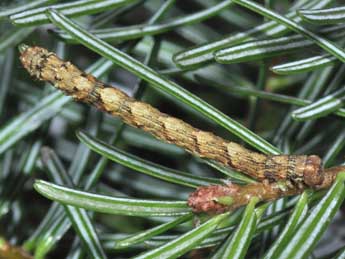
(46,66)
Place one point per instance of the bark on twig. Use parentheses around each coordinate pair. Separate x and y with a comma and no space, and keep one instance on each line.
(220,198)
(8,251)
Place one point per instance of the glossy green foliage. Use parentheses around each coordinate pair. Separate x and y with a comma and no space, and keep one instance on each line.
(324,16)
(77,183)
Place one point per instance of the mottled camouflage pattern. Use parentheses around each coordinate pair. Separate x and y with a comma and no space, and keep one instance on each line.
(46,66)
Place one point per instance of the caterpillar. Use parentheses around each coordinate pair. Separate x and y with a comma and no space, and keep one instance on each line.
(299,170)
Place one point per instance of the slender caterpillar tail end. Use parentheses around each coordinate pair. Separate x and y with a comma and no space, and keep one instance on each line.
(33,59)
(63,75)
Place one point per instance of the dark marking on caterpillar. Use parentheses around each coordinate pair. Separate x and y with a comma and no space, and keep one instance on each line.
(46,66)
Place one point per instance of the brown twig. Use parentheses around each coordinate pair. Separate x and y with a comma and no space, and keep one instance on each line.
(44,65)
(219,198)
(8,251)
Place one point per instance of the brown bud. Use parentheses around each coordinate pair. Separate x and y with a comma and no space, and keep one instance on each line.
(204,199)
